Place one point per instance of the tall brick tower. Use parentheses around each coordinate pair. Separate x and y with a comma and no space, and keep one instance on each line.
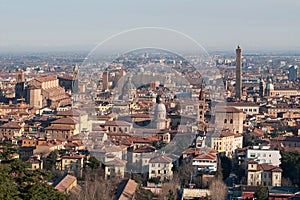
(238,73)
(105,80)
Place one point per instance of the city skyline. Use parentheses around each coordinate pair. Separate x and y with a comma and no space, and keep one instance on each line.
(54,26)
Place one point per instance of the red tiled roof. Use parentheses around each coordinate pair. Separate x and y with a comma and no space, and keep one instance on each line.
(206,156)
(161,159)
(65,183)
(129,190)
(11,125)
(117,123)
(229,109)
(46,78)
(76,156)
(242,104)
(267,167)
(65,120)
(226,134)
(116,162)
(145,149)
(139,140)
(60,127)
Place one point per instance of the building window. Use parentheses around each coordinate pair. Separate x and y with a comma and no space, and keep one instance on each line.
(231,121)
(225,121)
(153,172)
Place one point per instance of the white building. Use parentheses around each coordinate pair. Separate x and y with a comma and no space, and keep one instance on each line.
(264,155)
(247,107)
(206,162)
(161,167)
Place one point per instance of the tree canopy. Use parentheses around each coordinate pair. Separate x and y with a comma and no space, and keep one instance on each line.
(290,163)
(18,181)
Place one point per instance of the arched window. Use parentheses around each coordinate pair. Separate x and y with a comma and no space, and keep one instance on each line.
(225,121)
(231,121)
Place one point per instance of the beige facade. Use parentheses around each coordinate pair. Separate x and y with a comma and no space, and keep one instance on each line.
(35,97)
(45,91)
(160,167)
(225,142)
(263,174)
(114,168)
(118,126)
(229,118)
(71,164)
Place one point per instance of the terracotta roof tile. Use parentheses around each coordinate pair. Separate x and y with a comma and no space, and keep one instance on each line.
(161,159)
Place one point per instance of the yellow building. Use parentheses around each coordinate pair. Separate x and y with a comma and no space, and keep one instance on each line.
(71,164)
(114,168)
(225,142)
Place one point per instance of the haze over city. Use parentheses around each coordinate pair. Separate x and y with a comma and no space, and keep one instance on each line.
(150,100)
(270,25)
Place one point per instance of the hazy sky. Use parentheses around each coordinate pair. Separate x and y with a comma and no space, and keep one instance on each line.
(216,24)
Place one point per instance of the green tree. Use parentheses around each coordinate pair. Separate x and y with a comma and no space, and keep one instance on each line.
(43,191)
(226,165)
(50,161)
(93,163)
(290,164)
(261,193)
(17,181)
(6,151)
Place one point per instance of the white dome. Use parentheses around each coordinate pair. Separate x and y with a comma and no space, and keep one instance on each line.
(160,107)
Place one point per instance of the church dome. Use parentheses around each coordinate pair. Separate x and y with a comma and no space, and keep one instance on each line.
(160,107)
